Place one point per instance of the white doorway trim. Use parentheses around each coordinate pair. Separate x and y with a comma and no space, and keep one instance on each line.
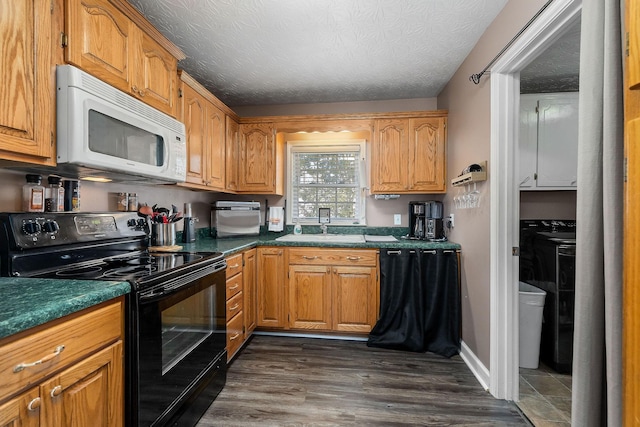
(505,195)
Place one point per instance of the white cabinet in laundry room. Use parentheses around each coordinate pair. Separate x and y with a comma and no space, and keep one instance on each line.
(548,141)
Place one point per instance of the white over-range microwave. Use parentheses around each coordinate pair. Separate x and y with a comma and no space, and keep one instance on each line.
(104,133)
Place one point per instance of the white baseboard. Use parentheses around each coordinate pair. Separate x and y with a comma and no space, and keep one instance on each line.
(475,365)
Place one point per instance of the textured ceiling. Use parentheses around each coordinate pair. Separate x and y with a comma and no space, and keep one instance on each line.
(557,69)
(260,52)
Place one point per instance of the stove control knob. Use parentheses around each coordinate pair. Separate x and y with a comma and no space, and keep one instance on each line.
(31,228)
(141,223)
(131,222)
(50,227)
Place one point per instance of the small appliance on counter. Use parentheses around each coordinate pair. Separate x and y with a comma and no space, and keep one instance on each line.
(425,220)
(235,219)
(189,231)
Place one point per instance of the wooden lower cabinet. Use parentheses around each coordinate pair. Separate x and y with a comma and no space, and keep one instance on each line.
(250,259)
(271,287)
(325,289)
(80,379)
(241,302)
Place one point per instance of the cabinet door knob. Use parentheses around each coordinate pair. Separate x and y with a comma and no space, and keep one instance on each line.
(134,89)
(56,391)
(34,404)
(141,93)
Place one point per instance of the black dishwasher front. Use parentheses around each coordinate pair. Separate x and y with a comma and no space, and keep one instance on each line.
(419,301)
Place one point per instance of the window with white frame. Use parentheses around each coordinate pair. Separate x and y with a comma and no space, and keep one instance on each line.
(326,175)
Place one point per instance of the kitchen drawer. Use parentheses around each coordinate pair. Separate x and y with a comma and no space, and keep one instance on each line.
(234,305)
(79,335)
(322,256)
(234,285)
(235,335)
(234,265)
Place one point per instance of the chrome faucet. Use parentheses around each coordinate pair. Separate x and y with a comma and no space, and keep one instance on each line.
(323,227)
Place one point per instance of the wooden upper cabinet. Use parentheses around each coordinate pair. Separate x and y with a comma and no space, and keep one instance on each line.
(100,41)
(233,154)
(194,116)
(27,95)
(427,155)
(205,125)
(256,171)
(107,43)
(408,155)
(216,154)
(389,156)
(155,75)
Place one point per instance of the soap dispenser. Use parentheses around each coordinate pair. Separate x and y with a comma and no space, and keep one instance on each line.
(297,229)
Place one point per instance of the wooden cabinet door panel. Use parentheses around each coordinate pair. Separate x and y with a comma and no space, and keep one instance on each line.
(27,94)
(194,118)
(426,155)
(216,147)
(309,297)
(100,41)
(389,159)
(250,291)
(354,298)
(257,152)
(271,288)
(17,412)
(232,154)
(88,393)
(156,77)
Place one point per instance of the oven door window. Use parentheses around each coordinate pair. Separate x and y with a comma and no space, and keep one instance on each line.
(185,325)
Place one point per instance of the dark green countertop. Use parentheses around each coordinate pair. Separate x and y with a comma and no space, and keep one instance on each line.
(25,303)
(229,246)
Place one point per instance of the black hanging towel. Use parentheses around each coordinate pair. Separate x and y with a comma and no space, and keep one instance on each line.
(419,302)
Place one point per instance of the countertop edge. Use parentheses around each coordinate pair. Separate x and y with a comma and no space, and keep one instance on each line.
(90,294)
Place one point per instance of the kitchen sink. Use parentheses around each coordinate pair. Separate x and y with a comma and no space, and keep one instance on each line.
(328,238)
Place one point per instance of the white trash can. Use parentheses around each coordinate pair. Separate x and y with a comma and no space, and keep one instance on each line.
(531,301)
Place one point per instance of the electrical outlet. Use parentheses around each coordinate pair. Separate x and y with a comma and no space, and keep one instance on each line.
(451,221)
(397,219)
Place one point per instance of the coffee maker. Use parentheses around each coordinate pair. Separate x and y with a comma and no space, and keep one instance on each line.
(425,220)
(435,229)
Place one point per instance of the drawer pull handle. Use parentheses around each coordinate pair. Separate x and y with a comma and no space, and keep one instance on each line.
(353,258)
(235,307)
(231,288)
(234,266)
(34,404)
(235,337)
(309,257)
(21,367)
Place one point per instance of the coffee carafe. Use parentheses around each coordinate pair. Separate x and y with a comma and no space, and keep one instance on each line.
(417,220)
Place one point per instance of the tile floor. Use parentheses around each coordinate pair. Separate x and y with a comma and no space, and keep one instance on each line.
(545,397)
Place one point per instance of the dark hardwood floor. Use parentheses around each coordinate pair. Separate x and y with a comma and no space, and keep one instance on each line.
(287,381)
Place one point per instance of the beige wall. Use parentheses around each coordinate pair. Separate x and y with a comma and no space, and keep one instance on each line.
(469,137)
(548,205)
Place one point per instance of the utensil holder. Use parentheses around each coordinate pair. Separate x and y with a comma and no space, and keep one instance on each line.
(163,234)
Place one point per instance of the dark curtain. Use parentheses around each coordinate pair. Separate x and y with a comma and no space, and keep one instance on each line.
(419,302)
